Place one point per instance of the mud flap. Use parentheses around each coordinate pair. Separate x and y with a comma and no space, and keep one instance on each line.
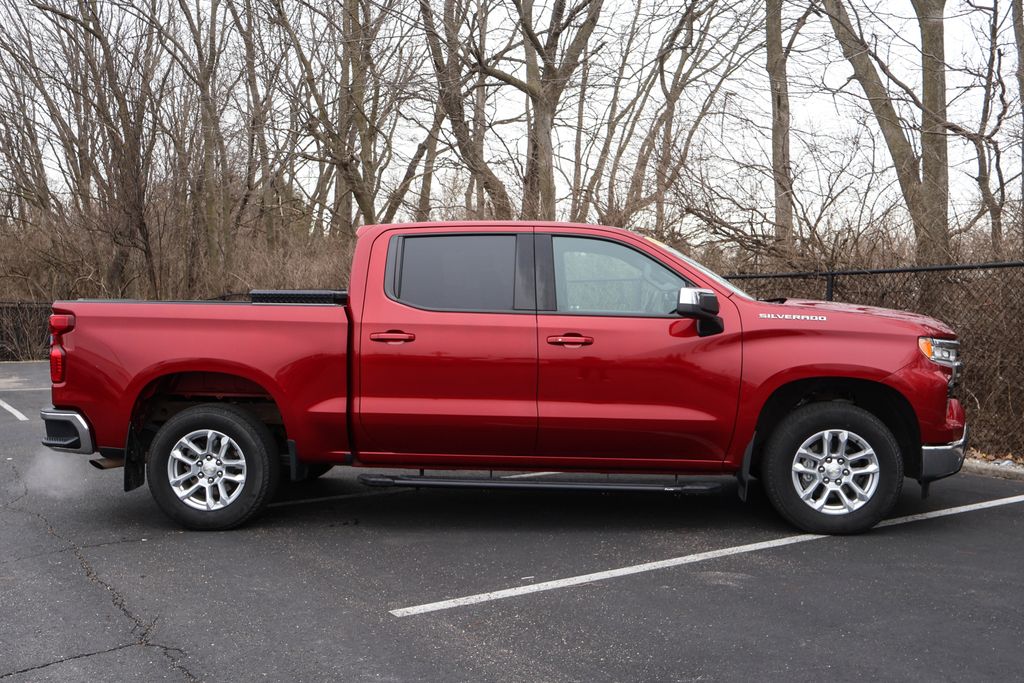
(297,468)
(134,462)
(743,477)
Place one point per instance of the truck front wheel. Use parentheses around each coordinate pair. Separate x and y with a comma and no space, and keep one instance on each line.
(832,468)
(212,467)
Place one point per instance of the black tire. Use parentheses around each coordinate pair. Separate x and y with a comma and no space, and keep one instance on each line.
(255,445)
(777,469)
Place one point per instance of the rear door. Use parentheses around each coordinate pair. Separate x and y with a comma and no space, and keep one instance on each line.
(620,375)
(448,361)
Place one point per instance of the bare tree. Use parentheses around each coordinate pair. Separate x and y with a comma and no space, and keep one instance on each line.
(176,148)
(923,180)
(1017,11)
(648,156)
(446,58)
(983,137)
(548,72)
(777,54)
(354,71)
(119,70)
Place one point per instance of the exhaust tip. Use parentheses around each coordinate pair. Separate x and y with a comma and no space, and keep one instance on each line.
(107,463)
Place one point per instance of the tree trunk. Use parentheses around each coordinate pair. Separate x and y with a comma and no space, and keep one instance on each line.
(781,169)
(1018,39)
(422,213)
(576,200)
(476,201)
(546,80)
(983,139)
(926,192)
(445,58)
(933,244)
(539,201)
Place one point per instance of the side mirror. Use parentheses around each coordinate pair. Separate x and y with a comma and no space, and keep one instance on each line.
(702,305)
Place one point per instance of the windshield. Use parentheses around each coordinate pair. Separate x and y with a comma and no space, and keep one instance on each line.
(701,269)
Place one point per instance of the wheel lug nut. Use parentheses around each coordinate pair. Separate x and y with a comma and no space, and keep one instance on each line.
(826,480)
(841,461)
(219,463)
(210,480)
(846,473)
(209,457)
(821,469)
(220,474)
(828,459)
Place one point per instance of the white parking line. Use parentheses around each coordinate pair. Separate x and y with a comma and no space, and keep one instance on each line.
(3,390)
(13,411)
(960,509)
(677,561)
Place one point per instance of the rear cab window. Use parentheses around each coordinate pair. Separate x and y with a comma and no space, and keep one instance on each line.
(490,273)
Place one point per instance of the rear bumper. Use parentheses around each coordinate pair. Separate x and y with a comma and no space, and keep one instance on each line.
(942,461)
(67,431)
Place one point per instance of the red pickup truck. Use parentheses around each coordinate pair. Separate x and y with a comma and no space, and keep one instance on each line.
(510,346)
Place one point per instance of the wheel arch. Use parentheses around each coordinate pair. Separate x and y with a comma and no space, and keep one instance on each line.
(881,400)
(168,393)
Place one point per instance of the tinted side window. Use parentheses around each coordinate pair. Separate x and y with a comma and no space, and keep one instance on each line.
(601,277)
(458,272)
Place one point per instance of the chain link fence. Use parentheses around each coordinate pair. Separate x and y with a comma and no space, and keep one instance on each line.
(983,303)
(24,330)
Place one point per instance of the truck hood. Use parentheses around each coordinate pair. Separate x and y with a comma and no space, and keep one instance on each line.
(927,325)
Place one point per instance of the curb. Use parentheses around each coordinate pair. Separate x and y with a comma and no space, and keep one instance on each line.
(990,469)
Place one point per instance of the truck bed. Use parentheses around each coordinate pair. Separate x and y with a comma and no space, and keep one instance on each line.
(291,357)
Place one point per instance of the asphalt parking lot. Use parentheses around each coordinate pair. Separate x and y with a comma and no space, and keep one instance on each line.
(340,582)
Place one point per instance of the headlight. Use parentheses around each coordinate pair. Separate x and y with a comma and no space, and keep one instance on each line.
(941,351)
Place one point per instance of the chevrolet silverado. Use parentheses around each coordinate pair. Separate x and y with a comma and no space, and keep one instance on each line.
(524,346)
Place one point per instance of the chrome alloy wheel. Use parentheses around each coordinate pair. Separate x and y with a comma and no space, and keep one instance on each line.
(835,472)
(206,470)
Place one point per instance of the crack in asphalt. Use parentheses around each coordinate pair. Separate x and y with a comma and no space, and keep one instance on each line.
(84,655)
(174,655)
(59,551)
(116,648)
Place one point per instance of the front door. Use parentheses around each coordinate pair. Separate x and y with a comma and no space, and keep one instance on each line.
(448,349)
(620,375)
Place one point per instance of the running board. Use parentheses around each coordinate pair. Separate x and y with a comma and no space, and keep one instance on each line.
(385,480)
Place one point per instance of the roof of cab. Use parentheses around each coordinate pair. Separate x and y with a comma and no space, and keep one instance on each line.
(481,226)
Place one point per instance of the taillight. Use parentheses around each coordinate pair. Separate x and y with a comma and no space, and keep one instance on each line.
(58,364)
(60,324)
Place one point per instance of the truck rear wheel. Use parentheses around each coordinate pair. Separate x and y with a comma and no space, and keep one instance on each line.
(832,468)
(212,467)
